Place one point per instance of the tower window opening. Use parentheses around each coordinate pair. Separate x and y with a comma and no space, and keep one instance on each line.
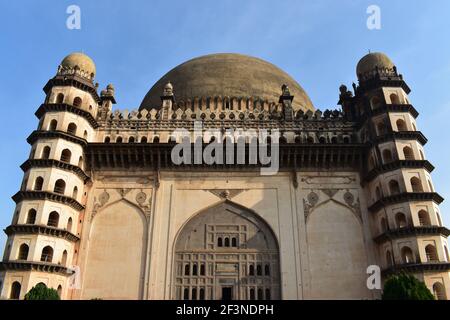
(31,217)
(416,184)
(259,270)
(400,219)
(394,187)
(387,156)
(23,252)
(15,290)
(439,291)
(47,254)
(53,219)
(424,218)
(72,128)
(38,184)
(45,153)
(408,153)
(251,270)
(60,98)
(77,102)
(407,255)
(394,99)
(401,125)
(60,186)
(52,126)
(66,155)
(431,253)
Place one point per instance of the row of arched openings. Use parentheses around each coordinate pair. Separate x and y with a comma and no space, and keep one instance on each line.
(59,186)
(16,287)
(76,102)
(53,219)
(394,187)
(46,254)
(71,128)
(407,256)
(66,155)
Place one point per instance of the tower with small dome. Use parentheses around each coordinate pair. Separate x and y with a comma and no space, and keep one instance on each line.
(104,212)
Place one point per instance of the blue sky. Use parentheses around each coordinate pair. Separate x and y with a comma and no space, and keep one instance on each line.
(135,42)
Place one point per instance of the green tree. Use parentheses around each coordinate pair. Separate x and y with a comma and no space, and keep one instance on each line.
(41,292)
(405,287)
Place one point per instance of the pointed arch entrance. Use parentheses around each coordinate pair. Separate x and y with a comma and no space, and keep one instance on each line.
(226,252)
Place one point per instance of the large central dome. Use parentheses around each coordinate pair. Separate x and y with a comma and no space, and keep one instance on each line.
(227,74)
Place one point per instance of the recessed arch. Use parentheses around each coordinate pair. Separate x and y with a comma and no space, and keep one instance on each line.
(212,231)
(127,253)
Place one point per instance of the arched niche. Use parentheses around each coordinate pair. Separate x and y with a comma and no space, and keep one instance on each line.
(337,254)
(201,244)
(116,253)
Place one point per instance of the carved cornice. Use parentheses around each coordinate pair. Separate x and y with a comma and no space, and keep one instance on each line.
(64,107)
(417,267)
(152,155)
(398,164)
(44,195)
(37,134)
(72,81)
(401,135)
(405,197)
(47,163)
(19,265)
(43,230)
(411,232)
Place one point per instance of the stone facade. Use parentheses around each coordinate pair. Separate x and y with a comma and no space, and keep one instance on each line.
(103,212)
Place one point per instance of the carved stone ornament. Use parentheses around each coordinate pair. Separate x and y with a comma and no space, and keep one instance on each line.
(226,193)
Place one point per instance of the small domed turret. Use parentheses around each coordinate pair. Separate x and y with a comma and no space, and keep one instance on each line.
(78,63)
(372,61)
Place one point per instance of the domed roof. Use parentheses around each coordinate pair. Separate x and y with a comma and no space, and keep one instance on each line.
(227,74)
(81,61)
(372,60)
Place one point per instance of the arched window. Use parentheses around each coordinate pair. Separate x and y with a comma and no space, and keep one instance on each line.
(69,224)
(53,219)
(389,261)
(186,294)
(131,140)
(187,270)
(383,224)
(416,184)
(381,128)
(52,126)
(394,99)
(45,153)
(156,139)
(15,290)
(59,290)
(234,242)
(31,216)
(387,155)
(424,218)
(23,252)
(375,102)
(77,102)
(85,135)
(407,255)
(38,183)
(202,269)
(144,140)
(107,139)
(194,294)
(334,140)
(310,139)
(267,270)
(431,253)
(408,153)
(60,186)
(66,155)
(259,270)
(346,139)
(60,98)
(75,192)
(439,291)
(268,297)
(72,128)
(394,187)
(47,254)
(202,294)
(252,294)
(64,258)
(251,270)
(219,242)
(401,125)
(297,139)
(194,269)
(400,220)
(227,242)
(260,294)
(283,140)
(119,139)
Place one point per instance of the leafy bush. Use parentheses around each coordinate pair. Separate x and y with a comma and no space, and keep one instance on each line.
(41,292)
(405,287)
